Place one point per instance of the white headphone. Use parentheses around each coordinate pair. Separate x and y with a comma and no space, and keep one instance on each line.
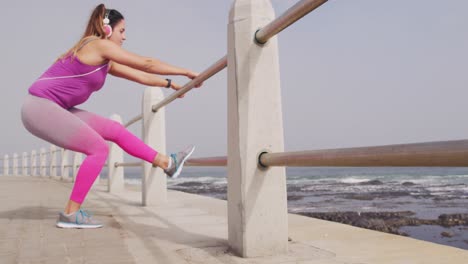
(107,27)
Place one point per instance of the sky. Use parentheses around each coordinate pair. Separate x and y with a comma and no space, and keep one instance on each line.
(353,73)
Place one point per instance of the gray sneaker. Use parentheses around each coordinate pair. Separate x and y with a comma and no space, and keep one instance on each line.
(79,219)
(178,162)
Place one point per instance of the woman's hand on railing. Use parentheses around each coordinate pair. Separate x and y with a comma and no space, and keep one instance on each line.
(176,87)
(192,75)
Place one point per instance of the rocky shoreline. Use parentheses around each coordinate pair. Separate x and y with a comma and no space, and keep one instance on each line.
(415,211)
(390,222)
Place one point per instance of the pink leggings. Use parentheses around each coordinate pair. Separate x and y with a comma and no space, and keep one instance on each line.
(84,132)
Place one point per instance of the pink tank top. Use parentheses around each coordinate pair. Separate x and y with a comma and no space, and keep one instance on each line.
(69,82)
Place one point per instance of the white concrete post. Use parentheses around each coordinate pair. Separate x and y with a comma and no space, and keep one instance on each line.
(115,176)
(33,167)
(77,158)
(42,162)
(154,183)
(15,164)
(64,165)
(24,164)
(257,203)
(53,161)
(6,165)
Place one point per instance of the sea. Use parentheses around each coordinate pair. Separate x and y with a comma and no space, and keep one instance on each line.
(427,192)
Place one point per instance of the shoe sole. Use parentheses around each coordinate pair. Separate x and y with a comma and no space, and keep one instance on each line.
(177,172)
(72,225)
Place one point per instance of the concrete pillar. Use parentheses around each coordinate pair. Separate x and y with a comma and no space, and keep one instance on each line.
(33,164)
(15,164)
(42,162)
(115,174)
(77,158)
(154,182)
(24,164)
(64,165)
(6,165)
(257,201)
(53,161)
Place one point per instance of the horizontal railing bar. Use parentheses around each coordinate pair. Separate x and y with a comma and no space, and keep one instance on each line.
(133,120)
(429,154)
(291,15)
(212,70)
(128,164)
(209,161)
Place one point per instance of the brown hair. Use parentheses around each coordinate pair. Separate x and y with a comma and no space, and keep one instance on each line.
(95,27)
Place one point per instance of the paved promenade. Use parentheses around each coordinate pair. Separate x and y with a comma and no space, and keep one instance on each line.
(188,229)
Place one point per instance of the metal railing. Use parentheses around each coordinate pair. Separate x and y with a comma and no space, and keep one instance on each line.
(128,164)
(288,18)
(427,154)
(205,75)
(208,161)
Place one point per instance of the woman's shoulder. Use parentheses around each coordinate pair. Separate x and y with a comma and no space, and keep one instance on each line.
(90,39)
(94,44)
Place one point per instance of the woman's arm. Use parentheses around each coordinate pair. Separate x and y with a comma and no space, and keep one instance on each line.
(113,52)
(138,76)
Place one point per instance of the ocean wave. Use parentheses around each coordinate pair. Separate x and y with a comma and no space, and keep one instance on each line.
(354,180)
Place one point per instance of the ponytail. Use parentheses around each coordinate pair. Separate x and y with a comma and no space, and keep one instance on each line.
(95,24)
(95,27)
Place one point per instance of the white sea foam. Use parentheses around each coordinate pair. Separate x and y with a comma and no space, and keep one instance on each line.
(354,180)
(368,208)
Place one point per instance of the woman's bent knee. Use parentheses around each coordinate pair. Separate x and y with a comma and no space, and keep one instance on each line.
(100,149)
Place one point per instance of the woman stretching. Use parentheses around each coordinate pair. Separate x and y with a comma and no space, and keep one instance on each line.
(49,110)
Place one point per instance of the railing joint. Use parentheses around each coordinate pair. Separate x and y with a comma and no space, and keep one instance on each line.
(260,164)
(257,41)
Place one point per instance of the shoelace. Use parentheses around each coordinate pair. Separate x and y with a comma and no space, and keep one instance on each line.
(84,214)
(174,159)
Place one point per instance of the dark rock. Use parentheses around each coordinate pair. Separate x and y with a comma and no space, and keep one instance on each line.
(200,189)
(390,222)
(446,234)
(360,196)
(423,196)
(295,188)
(444,198)
(449,220)
(408,184)
(295,197)
(190,184)
(371,182)
(393,194)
